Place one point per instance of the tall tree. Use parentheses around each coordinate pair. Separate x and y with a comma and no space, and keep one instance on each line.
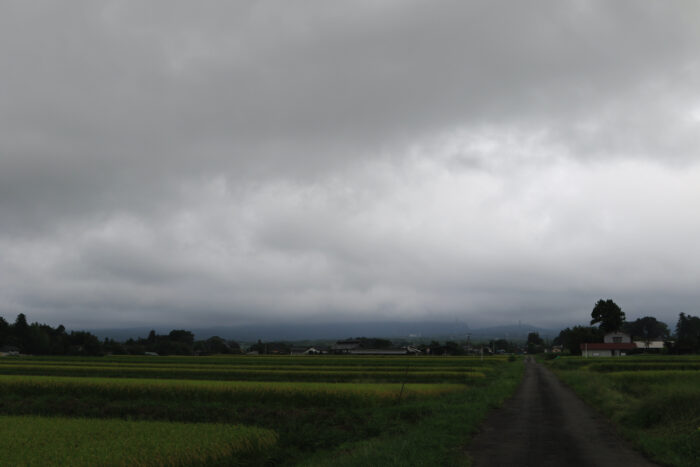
(688,333)
(4,330)
(20,330)
(647,329)
(572,338)
(608,314)
(535,344)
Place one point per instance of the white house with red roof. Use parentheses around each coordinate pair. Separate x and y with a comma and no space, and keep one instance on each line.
(614,344)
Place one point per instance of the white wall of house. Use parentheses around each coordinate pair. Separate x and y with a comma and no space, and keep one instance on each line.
(603,353)
(597,353)
(617,337)
(656,345)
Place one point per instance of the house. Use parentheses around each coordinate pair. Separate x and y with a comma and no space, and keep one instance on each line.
(653,344)
(392,351)
(303,350)
(617,338)
(614,344)
(9,351)
(344,347)
(411,350)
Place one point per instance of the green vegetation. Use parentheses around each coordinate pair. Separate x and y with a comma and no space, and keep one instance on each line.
(88,442)
(608,314)
(235,372)
(654,401)
(320,410)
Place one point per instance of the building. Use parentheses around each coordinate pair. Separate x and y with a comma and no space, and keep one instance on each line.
(303,350)
(654,344)
(344,347)
(614,344)
(9,351)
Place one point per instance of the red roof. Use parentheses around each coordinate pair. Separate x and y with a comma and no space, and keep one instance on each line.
(609,346)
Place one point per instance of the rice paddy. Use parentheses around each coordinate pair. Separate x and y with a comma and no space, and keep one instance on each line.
(244,410)
(59,441)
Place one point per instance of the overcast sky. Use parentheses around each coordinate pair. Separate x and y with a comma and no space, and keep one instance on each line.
(219,163)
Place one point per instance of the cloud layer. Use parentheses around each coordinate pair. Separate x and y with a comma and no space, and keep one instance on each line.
(220,164)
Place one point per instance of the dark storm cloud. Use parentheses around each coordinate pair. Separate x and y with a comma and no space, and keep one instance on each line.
(172,161)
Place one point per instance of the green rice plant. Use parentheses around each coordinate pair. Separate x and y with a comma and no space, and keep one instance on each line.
(640,383)
(307,416)
(10,364)
(276,360)
(251,374)
(46,441)
(238,392)
(439,439)
(608,367)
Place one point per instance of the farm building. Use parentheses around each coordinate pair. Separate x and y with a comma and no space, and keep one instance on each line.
(344,347)
(378,352)
(303,350)
(614,344)
(9,351)
(650,344)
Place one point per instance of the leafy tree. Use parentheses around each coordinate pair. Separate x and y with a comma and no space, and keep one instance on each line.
(572,338)
(373,343)
(133,347)
(503,344)
(4,330)
(180,335)
(609,315)
(535,344)
(688,334)
(215,345)
(20,329)
(38,339)
(151,337)
(83,343)
(110,346)
(647,329)
(453,348)
(166,346)
(59,340)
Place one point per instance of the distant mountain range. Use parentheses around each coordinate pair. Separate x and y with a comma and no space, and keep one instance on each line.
(320,331)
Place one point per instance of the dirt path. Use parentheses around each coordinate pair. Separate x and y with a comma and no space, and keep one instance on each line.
(546,424)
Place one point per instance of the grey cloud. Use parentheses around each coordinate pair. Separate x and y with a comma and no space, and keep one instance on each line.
(273,159)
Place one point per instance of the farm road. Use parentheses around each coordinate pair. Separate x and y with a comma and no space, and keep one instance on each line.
(546,424)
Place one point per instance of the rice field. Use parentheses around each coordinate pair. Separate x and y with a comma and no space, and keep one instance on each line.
(225,391)
(653,400)
(59,441)
(250,373)
(242,410)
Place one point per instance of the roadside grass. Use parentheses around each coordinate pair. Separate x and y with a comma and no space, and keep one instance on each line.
(658,410)
(88,442)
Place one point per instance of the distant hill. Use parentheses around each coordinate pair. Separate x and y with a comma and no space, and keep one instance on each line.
(309,331)
(513,331)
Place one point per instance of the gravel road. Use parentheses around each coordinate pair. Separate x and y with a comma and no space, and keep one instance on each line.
(546,424)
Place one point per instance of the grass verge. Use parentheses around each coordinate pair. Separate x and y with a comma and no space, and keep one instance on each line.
(659,411)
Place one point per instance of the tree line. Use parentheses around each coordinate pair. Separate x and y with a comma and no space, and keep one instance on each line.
(42,339)
(609,317)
